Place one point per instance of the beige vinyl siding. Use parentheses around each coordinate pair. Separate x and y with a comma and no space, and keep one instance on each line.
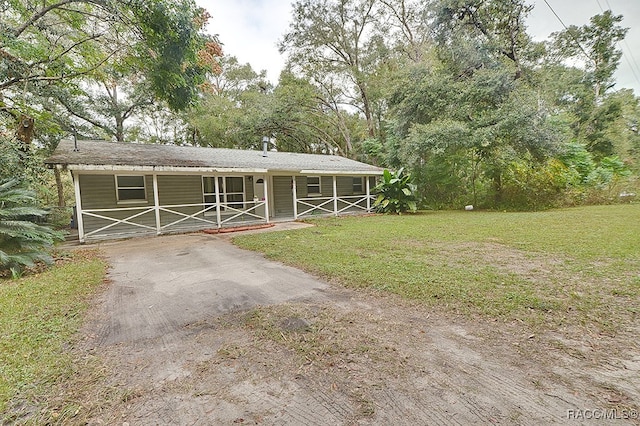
(283,196)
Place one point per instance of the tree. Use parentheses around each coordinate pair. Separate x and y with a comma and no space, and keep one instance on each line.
(582,98)
(496,26)
(231,112)
(301,119)
(22,242)
(408,27)
(53,47)
(454,131)
(334,43)
(595,44)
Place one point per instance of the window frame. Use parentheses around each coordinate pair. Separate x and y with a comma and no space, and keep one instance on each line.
(360,184)
(318,185)
(224,195)
(119,188)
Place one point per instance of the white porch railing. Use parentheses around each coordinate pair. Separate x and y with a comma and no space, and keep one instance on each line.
(332,205)
(140,211)
(205,216)
(250,212)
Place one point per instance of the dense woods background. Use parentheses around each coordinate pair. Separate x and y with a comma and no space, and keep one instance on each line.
(455,91)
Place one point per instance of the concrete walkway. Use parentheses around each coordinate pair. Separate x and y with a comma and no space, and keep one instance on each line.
(161,284)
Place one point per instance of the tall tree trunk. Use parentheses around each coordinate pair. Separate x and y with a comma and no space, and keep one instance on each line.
(119,128)
(59,187)
(497,187)
(366,106)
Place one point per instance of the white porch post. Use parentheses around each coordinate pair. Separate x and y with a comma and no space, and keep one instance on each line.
(266,199)
(368,194)
(80,222)
(335,196)
(295,198)
(218,215)
(156,204)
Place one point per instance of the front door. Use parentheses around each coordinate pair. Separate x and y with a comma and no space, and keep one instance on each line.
(258,194)
(282,196)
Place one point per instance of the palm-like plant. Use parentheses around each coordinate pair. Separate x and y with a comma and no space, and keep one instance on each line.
(396,193)
(22,241)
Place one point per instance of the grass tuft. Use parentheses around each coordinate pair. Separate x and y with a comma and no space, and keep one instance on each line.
(39,316)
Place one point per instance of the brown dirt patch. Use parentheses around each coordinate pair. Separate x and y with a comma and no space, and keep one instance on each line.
(357,358)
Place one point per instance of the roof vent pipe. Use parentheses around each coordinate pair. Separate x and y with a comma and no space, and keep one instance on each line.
(265,145)
(75,142)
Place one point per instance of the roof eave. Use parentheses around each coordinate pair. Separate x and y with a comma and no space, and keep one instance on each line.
(160,169)
(184,169)
(342,172)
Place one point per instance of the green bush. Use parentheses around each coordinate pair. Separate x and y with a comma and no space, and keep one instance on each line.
(534,187)
(23,242)
(396,193)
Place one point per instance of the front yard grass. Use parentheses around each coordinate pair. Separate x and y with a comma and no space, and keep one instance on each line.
(39,316)
(568,267)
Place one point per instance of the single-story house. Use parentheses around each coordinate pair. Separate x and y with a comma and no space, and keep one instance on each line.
(124,190)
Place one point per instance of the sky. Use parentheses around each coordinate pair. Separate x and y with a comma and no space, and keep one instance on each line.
(250,30)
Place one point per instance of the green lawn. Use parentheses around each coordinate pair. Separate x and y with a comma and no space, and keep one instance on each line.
(578,266)
(39,316)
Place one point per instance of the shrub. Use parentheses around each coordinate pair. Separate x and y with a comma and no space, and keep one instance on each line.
(396,193)
(23,242)
(534,187)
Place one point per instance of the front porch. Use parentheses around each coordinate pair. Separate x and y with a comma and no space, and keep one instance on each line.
(253,202)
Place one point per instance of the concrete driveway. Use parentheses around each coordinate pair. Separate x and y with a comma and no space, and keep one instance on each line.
(161,284)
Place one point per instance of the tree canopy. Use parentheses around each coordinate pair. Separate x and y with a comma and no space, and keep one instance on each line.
(55,54)
(455,91)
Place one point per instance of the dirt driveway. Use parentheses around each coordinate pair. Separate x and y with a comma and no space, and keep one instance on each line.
(192,330)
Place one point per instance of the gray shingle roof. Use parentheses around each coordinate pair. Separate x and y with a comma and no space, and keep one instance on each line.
(102,153)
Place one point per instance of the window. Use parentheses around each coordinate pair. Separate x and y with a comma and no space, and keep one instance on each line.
(357,185)
(231,192)
(313,185)
(209,193)
(130,189)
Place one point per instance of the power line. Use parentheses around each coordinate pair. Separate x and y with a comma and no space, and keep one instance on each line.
(629,52)
(554,12)
(568,32)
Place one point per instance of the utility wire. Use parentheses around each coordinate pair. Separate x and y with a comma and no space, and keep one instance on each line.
(568,32)
(629,53)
